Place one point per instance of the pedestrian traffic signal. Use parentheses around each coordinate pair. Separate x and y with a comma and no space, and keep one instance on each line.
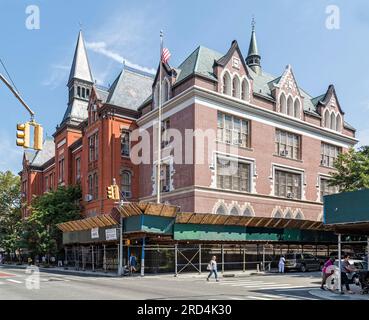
(38,137)
(23,135)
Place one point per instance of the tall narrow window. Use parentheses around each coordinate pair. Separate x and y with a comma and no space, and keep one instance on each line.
(287,144)
(46,183)
(283,103)
(125,143)
(165,177)
(126,184)
(61,170)
(78,170)
(236,87)
(90,185)
(287,184)
(165,126)
(96,186)
(245,90)
(290,110)
(227,84)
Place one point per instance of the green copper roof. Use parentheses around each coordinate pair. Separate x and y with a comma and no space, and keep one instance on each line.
(200,62)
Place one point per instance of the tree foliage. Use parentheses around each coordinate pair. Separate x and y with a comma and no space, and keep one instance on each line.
(10,211)
(40,233)
(352,170)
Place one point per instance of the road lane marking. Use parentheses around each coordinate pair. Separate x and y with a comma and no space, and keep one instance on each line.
(234,298)
(14,281)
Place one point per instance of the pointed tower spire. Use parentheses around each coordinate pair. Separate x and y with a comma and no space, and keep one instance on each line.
(253,57)
(79,85)
(80,66)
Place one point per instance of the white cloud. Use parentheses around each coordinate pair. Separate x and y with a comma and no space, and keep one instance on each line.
(57,76)
(101,48)
(11,155)
(363,136)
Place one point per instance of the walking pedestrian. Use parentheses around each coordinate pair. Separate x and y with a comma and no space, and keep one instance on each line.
(212,267)
(326,271)
(281,264)
(345,269)
(132,263)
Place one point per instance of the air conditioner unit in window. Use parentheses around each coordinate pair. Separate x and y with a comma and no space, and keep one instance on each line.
(88,197)
(284,153)
(127,194)
(290,195)
(165,188)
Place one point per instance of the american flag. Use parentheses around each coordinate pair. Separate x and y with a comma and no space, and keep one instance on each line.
(165,56)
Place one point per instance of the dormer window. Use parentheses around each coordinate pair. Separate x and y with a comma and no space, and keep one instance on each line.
(332,121)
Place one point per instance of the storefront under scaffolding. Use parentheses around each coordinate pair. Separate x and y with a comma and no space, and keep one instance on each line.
(165,240)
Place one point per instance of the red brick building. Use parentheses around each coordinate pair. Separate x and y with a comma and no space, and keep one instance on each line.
(269,146)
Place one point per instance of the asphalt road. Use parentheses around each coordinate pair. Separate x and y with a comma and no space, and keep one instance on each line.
(291,286)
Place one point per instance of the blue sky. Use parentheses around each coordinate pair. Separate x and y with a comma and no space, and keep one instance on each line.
(288,32)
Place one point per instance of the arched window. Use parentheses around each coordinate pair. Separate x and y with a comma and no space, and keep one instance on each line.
(221,210)
(278,214)
(126,184)
(297,108)
(165,91)
(333,121)
(288,215)
(156,96)
(245,90)
(234,211)
(290,106)
(327,119)
(283,103)
(247,212)
(338,123)
(227,83)
(236,87)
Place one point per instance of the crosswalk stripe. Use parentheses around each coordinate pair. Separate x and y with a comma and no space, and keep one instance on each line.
(299,297)
(254,284)
(272,296)
(257,298)
(234,298)
(14,281)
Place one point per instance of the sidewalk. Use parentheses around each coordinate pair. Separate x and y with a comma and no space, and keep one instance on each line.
(329,295)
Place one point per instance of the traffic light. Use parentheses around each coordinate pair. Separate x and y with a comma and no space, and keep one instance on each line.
(38,137)
(23,135)
(113,192)
(110,192)
(116,192)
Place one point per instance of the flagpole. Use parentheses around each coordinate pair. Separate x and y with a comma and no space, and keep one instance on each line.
(158,182)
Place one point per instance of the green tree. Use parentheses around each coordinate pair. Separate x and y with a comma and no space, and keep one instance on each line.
(352,170)
(39,231)
(10,211)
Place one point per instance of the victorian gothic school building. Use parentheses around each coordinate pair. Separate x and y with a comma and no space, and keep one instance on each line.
(273,151)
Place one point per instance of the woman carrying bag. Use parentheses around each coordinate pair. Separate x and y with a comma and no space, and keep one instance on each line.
(212,267)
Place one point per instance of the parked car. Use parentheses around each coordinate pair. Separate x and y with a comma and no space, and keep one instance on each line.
(360,265)
(302,262)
